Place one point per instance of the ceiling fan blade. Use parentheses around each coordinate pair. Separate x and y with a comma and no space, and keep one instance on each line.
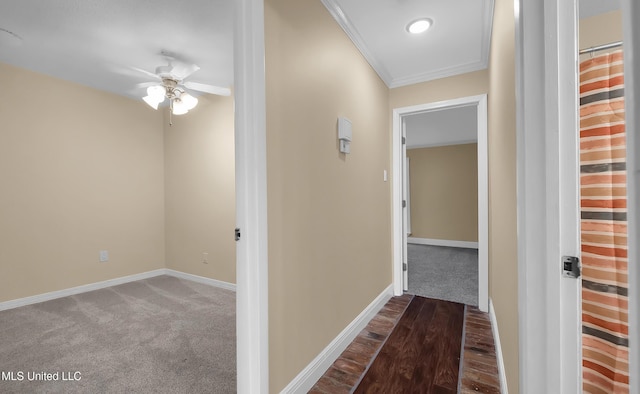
(147,73)
(202,87)
(182,70)
(146,84)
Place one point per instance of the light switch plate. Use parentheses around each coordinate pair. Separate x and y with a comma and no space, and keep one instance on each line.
(104,256)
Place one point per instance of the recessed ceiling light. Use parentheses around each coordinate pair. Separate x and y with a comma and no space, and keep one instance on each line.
(419,26)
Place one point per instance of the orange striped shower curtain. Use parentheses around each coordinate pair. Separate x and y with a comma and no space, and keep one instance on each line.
(603,209)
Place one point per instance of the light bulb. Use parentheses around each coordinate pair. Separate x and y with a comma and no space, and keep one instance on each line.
(152,101)
(157,92)
(188,100)
(179,108)
(419,26)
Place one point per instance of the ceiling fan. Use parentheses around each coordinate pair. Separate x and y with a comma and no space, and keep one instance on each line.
(170,84)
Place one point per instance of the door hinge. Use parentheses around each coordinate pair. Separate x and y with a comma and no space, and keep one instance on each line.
(404,266)
(404,140)
(570,266)
(404,203)
(237,233)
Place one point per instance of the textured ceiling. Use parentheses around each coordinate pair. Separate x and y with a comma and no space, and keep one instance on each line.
(97,43)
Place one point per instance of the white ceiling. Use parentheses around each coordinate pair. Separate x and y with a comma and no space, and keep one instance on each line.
(588,8)
(100,43)
(96,43)
(442,127)
(458,42)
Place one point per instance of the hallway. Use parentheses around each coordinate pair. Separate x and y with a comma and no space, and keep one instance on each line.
(374,361)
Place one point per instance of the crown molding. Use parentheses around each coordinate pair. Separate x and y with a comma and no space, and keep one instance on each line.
(437,74)
(348,27)
(480,64)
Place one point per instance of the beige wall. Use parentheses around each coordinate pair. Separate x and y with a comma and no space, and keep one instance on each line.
(329,213)
(444,192)
(462,85)
(80,171)
(503,266)
(600,29)
(90,176)
(200,190)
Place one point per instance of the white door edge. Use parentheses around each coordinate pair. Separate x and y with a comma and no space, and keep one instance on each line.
(569,196)
(480,101)
(405,210)
(251,199)
(547,184)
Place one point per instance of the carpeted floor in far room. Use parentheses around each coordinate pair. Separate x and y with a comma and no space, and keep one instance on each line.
(443,273)
(158,335)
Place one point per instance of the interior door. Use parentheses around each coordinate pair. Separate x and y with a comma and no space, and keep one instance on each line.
(405,210)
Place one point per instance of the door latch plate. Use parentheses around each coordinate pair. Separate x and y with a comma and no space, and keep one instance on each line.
(570,266)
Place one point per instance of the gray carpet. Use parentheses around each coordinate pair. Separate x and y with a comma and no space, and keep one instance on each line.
(443,273)
(159,335)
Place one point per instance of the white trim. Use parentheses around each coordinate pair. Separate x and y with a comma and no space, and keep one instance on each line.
(504,389)
(353,34)
(407,181)
(78,289)
(201,279)
(568,290)
(483,189)
(396,204)
(545,112)
(483,203)
(438,74)
(35,299)
(316,368)
(549,305)
(443,242)
(252,278)
(345,23)
(438,144)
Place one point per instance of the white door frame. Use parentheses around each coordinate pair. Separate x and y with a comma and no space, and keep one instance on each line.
(546,89)
(480,101)
(546,118)
(251,199)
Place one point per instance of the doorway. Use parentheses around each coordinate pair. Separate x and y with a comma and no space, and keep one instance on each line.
(549,325)
(400,255)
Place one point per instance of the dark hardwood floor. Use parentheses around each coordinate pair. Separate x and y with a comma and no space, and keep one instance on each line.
(422,354)
(388,355)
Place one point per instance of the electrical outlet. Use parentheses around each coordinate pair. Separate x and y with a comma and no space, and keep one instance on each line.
(104,256)
(205,258)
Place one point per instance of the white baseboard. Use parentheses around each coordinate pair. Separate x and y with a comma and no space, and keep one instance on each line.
(496,339)
(316,368)
(77,290)
(201,279)
(443,242)
(111,282)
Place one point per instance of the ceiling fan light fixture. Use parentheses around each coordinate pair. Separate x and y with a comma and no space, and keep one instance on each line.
(188,101)
(152,101)
(419,25)
(179,107)
(157,91)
